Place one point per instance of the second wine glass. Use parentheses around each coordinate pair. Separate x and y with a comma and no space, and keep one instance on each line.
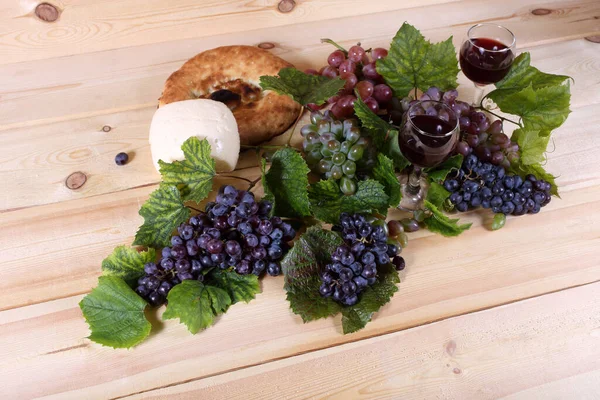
(486,56)
(428,135)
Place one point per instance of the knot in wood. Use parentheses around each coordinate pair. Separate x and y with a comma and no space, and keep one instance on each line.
(285,6)
(541,11)
(593,39)
(47,12)
(106,128)
(266,45)
(75,180)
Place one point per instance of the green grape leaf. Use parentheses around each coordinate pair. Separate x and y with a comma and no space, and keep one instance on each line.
(328,202)
(375,127)
(523,170)
(239,287)
(196,304)
(162,213)
(545,108)
(193,176)
(301,268)
(522,74)
(437,194)
(438,174)
(303,88)
(115,314)
(391,149)
(355,317)
(384,174)
(286,184)
(127,263)
(438,222)
(532,144)
(414,62)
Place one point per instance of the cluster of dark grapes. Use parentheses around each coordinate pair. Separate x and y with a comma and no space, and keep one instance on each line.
(335,149)
(359,71)
(479,135)
(235,231)
(354,264)
(482,184)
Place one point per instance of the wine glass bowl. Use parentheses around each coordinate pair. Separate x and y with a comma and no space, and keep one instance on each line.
(428,135)
(487,54)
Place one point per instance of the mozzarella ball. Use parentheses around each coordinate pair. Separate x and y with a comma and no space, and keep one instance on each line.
(174,123)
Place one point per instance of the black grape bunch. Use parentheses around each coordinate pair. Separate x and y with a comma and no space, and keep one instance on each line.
(235,231)
(354,264)
(482,184)
(479,135)
(336,149)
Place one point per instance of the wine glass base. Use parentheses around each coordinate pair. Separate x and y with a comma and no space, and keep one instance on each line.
(412,199)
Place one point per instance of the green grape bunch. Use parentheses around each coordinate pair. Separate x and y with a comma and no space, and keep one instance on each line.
(335,149)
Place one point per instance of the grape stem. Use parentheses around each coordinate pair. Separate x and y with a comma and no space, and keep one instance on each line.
(254,182)
(481,107)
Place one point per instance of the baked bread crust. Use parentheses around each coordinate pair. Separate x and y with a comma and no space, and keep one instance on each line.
(260,115)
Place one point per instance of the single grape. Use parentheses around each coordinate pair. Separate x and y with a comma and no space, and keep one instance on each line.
(329,72)
(378,53)
(356,53)
(336,58)
(365,89)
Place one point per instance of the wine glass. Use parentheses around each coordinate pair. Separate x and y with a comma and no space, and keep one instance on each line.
(486,56)
(428,134)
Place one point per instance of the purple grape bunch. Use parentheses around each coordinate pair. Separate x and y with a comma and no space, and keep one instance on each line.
(354,264)
(235,231)
(482,184)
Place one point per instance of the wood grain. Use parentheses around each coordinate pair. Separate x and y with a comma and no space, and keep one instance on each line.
(101,25)
(553,250)
(77,91)
(38,159)
(118,80)
(543,348)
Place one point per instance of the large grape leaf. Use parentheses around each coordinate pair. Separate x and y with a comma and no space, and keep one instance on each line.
(127,263)
(286,183)
(162,213)
(384,173)
(414,62)
(328,202)
(532,144)
(193,176)
(301,267)
(303,88)
(521,75)
(355,317)
(239,287)
(115,314)
(196,304)
(438,222)
(545,108)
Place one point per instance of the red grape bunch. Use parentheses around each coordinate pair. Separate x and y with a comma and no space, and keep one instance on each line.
(357,67)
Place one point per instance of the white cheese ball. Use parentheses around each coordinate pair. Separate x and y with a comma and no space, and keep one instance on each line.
(174,123)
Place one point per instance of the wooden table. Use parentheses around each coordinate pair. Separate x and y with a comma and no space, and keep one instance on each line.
(512,314)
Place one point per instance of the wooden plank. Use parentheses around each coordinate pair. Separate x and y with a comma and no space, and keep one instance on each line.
(553,250)
(111,81)
(37,160)
(71,238)
(543,348)
(102,25)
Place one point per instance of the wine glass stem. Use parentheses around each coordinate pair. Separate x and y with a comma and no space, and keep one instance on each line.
(414,180)
(478,95)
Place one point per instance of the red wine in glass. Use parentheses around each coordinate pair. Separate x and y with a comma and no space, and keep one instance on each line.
(427,150)
(485,60)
